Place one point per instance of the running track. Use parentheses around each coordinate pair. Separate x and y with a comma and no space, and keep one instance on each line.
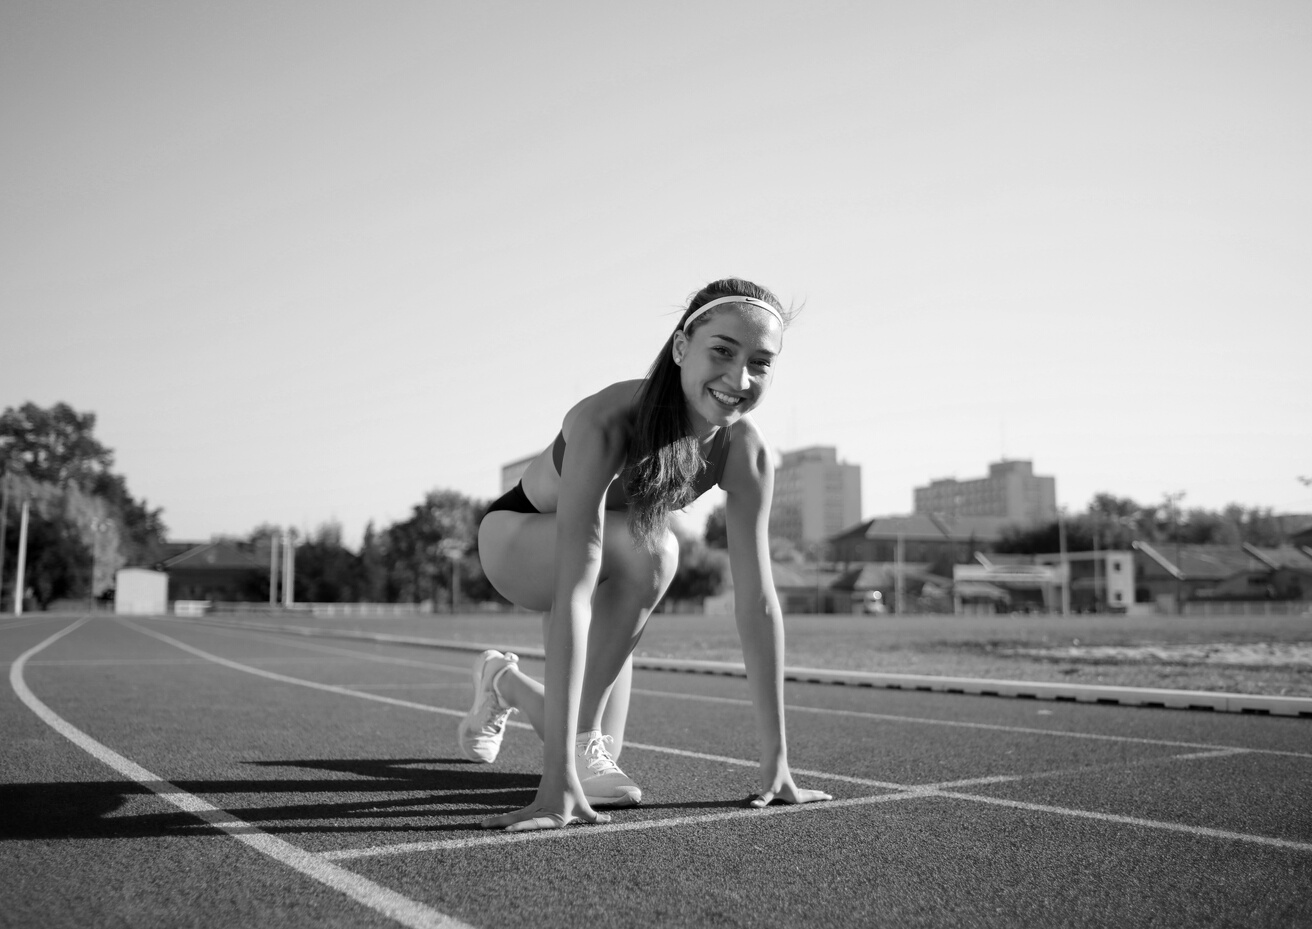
(163,773)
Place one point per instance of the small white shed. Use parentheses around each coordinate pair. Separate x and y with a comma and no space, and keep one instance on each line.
(140,591)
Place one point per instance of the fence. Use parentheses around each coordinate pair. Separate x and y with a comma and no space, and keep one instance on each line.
(1247,607)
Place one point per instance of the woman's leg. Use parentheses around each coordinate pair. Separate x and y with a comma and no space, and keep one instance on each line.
(519,558)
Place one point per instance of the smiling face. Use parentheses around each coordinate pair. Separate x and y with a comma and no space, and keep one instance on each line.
(726,365)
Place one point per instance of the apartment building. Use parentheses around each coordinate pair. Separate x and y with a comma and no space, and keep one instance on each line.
(815,495)
(1011,491)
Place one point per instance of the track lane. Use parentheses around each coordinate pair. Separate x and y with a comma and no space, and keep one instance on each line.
(400,797)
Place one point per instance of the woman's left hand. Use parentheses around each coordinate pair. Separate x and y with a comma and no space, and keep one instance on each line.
(784,790)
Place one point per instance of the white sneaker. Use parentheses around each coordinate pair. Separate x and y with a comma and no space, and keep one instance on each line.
(484,725)
(604,784)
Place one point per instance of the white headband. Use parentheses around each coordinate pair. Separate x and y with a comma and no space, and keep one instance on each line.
(769,308)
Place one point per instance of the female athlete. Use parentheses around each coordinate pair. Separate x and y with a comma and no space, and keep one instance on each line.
(584,538)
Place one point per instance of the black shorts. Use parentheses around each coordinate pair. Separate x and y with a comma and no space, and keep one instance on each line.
(514,500)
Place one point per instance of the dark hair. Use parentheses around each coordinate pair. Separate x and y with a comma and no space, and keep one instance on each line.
(663,457)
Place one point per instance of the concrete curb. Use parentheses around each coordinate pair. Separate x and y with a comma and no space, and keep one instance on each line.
(1031,690)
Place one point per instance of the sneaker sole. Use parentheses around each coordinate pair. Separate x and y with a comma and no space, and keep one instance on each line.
(629,799)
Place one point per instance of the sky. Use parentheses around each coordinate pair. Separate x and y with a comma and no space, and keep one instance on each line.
(308,261)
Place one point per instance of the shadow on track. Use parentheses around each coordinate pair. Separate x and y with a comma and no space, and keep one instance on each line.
(96,809)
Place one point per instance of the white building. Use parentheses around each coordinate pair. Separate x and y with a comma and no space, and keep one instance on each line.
(511,473)
(815,495)
(1012,491)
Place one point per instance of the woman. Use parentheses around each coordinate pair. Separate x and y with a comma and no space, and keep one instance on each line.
(584,538)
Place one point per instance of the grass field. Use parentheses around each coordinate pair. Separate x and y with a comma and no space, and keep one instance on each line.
(1242,654)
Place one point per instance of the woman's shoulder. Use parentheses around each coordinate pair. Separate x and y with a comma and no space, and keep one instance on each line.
(609,411)
(748,457)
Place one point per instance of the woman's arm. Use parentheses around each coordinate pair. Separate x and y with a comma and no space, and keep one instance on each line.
(592,459)
(593,453)
(749,482)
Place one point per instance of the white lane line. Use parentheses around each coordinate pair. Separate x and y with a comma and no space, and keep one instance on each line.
(113,662)
(1203,831)
(902,791)
(287,679)
(745,763)
(1083,769)
(429,708)
(376,897)
(795,708)
(24,623)
(462,670)
(988,727)
(509,838)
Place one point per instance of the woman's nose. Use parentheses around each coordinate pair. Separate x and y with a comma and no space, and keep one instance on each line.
(744,379)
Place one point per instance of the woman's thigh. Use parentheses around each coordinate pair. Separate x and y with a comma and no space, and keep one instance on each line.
(518,553)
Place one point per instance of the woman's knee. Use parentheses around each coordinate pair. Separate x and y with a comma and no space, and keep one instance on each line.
(646,570)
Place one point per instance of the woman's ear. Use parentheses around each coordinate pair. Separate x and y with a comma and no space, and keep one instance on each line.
(679,348)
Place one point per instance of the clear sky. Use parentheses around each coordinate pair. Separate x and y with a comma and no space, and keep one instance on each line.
(307,261)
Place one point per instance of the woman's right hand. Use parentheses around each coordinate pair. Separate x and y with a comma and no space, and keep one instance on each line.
(552,808)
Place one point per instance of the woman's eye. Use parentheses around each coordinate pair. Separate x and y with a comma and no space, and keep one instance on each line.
(761,363)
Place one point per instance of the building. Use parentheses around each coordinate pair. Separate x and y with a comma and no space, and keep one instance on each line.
(928,539)
(511,473)
(815,495)
(1101,581)
(1176,578)
(1012,491)
(220,571)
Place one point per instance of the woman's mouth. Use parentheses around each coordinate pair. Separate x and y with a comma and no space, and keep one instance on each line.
(724,399)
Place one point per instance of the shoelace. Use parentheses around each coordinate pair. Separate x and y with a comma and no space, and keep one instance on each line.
(598,759)
(496,721)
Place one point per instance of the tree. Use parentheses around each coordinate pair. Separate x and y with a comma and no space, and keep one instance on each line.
(419,567)
(55,448)
(326,571)
(59,560)
(373,569)
(702,572)
(717,529)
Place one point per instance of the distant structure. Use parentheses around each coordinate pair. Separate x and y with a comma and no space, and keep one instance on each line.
(815,495)
(511,473)
(1012,491)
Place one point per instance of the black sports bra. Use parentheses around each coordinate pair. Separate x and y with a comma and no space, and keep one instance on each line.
(708,477)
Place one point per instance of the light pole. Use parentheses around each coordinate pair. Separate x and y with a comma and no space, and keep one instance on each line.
(4,523)
(19,580)
(454,551)
(1065,563)
(1172,502)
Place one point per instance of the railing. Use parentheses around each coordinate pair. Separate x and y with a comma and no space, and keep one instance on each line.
(1247,607)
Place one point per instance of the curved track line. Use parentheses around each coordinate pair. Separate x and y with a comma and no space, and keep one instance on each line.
(376,897)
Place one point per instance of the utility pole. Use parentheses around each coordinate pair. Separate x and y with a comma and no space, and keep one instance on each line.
(1172,502)
(275,541)
(454,551)
(289,568)
(1065,563)
(899,588)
